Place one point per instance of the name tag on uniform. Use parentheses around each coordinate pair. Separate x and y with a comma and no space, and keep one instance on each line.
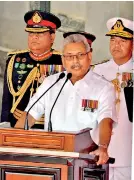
(89,105)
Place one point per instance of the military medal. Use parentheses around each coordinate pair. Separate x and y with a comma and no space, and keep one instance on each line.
(22,66)
(16,65)
(124,84)
(18,59)
(50,69)
(23,59)
(60,68)
(92,105)
(46,70)
(84,104)
(126,78)
(89,105)
(30,65)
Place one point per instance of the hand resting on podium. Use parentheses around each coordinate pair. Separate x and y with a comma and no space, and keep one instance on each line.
(21,122)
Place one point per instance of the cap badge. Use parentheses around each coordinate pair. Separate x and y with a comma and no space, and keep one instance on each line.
(36,17)
(118,26)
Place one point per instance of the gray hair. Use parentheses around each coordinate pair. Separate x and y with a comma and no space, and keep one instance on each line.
(75,38)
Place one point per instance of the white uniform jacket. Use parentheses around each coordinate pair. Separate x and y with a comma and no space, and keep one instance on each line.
(120,146)
(68,114)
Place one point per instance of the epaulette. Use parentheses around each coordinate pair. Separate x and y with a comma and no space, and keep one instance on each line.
(104,61)
(57,52)
(18,52)
(92,66)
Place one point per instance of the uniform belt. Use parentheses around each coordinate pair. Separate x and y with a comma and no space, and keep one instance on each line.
(18,113)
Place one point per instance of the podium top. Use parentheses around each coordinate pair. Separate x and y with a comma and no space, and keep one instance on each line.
(7,128)
(60,141)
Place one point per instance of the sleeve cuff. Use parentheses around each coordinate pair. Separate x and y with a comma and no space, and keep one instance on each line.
(35,115)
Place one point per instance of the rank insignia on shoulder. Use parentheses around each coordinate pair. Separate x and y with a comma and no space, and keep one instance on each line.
(56,52)
(92,67)
(21,72)
(104,61)
(89,105)
(18,52)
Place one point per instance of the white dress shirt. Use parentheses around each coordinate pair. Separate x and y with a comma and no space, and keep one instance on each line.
(120,146)
(67,114)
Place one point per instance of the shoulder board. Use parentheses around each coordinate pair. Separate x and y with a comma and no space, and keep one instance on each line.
(102,62)
(57,52)
(18,52)
(92,66)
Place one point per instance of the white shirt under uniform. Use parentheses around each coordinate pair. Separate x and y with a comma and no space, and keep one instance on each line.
(120,146)
(67,114)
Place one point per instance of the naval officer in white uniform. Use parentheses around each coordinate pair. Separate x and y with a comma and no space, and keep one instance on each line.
(119,70)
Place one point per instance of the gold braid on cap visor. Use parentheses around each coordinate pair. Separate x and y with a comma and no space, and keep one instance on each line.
(120,33)
(36,29)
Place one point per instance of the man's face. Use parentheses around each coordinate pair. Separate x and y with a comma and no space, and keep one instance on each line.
(121,49)
(76,60)
(40,42)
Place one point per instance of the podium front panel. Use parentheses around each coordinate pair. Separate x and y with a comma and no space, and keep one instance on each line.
(21,176)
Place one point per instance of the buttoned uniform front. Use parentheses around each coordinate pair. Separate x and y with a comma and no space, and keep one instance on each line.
(120,146)
(67,114)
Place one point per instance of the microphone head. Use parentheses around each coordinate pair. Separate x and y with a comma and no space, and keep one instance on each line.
(69,75)
(62,75)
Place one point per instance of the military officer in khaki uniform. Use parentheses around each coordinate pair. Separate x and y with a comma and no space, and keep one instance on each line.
(26,70)
(119,70)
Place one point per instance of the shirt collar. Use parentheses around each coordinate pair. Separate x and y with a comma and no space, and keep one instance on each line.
(127,66)
(86,78)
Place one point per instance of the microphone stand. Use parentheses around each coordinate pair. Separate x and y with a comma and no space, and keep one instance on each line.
(26,127)
(69,75)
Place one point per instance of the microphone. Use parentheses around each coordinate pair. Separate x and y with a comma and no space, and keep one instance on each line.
(61,76)
(69,75)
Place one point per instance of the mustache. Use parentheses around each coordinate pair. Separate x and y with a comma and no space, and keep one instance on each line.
(116,49)
(34,42)
(76,66)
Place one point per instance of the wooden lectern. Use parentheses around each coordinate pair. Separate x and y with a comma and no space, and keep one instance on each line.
(39,155)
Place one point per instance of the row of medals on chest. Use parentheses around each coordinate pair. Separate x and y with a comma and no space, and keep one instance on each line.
(42,73)
(126,81)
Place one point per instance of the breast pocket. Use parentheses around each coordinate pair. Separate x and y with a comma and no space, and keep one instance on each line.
(87,118)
